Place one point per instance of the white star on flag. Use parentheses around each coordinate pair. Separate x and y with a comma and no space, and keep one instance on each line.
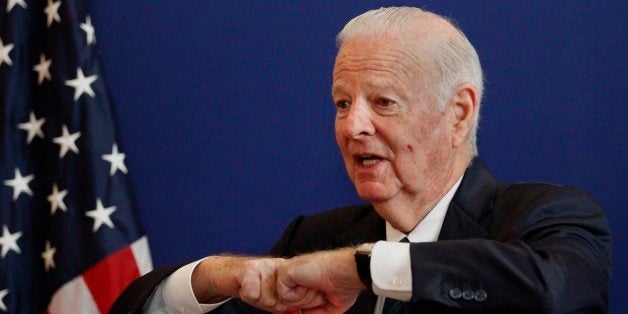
(12,3)
(56,199)
(48,256)
(8,241)
(20,184)
(67,141)
(42,69)
(101,215)
(4,53)
(89,30)
(58,134)
(81,84)
(116,159)
(3,293)
(52,12)
(33,127)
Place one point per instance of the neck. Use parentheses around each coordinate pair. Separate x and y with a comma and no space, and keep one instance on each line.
(405,212)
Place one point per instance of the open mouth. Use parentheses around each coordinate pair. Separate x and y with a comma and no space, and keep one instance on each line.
(368,160)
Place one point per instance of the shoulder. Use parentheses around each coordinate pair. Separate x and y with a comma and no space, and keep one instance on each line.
(527,194)
(530,208)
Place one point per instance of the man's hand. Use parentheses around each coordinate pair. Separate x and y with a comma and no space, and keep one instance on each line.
(333,273)
(251,279)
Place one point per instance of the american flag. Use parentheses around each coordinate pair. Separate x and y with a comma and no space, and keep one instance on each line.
(69,234)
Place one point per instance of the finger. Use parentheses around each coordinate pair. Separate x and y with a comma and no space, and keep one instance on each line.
(298,293)
(307,301)
(250,285)
(268,292)
(288,291)
(313,299)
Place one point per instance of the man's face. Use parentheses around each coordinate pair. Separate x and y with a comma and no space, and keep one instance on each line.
(395,143)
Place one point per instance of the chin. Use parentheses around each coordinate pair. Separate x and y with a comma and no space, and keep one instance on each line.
(373,195)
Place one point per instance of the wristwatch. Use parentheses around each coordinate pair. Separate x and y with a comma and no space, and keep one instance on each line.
(363,263)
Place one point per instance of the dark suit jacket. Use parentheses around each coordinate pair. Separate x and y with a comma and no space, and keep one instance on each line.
(536,248)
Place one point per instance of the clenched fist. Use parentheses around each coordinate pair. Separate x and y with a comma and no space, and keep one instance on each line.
(251,279)
(333,273)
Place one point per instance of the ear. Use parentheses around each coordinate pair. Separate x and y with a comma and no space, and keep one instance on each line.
(464,107)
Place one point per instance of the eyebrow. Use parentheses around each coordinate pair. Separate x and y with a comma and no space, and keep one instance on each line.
(378,83)
(382,84)
(339,87)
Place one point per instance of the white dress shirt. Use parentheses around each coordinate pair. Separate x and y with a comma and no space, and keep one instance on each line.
(390,268)
(390,260)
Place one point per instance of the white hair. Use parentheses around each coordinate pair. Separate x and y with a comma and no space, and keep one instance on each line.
(453,58)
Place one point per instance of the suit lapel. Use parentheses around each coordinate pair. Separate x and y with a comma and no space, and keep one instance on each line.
(464,219)
(472,202)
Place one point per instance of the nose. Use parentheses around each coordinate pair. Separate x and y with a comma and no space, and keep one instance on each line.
(358,123)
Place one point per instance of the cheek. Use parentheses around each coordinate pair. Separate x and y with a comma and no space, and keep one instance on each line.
(433,133)
(338,134)
(424,149)
(342,143)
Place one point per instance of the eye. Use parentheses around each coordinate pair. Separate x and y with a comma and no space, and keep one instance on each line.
(385,102)
(342,105)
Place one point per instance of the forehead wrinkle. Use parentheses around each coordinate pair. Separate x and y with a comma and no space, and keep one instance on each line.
(400,63)
(393,61)
(397,74)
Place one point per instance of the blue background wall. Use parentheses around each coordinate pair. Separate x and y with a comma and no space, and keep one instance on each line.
(226,119)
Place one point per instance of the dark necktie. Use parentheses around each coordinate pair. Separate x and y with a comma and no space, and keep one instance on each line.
(392,306)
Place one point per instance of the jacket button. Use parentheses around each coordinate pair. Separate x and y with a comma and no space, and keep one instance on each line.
(455,293)
(468,294)
(480,295)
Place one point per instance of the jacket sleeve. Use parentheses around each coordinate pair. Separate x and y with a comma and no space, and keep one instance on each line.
(132,299)
(550,254)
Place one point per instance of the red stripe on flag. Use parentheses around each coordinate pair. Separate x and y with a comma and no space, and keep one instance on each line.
(110,276)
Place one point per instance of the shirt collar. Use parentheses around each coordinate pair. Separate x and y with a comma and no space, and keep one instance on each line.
(429,228)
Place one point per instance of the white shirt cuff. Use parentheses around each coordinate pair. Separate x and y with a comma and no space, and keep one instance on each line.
(175,294)
(391,271)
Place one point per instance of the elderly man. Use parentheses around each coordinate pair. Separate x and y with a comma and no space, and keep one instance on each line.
(407,86)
